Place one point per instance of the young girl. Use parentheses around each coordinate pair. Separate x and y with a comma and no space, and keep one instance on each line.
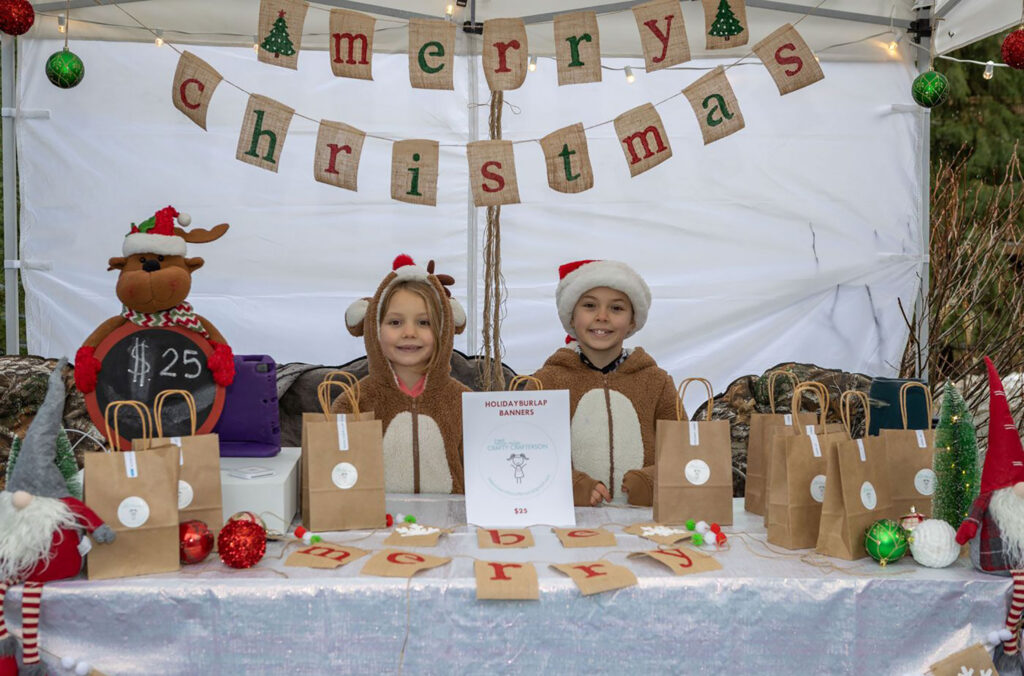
(616,395)
(408,328)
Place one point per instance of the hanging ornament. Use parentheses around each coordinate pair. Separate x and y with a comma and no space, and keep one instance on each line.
(241,544)
(911,520)
(248,516)
(16,16)
(886,541)
(195,541)
(933,544)
(930,89)
(65,69)
(1013,49)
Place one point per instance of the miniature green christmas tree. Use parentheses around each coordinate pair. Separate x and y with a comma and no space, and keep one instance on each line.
(957,475)
(725,24)
(65,461)
(278,42)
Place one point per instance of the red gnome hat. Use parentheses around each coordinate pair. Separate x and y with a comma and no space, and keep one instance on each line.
(1004,461)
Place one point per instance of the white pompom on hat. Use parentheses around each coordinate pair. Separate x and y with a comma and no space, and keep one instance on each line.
(156,235)
(578,277)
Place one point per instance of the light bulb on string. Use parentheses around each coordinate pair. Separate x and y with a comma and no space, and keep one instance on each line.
(629,75)
(62,24)
(159,42)
(449,10)
(533,64)
(990,70)
(255,44)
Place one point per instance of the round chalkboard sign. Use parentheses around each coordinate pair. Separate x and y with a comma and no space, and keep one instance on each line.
(139,363)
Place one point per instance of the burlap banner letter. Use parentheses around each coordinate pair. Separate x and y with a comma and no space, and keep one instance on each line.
(656,532)
(572,538)
(351,44)
(398,563)
(264,128)
(324,555)
(414,171)
(431,53)
(280,31)
(194,82)
(505,53)
(973,661)
(662,33)
(715,106)
(577,48)
(568,160)
(725,23)
(594,577)
(338,147)
(504,538)
(492,173)
(643,138)
(506,581)
(789,60)
(415,535)
(682,560)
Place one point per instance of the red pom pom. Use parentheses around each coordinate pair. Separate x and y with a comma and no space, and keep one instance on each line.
(715,528)
(16,16)
(87,368)
(222,364)
(390,521)
(720,539)
(401,260)
(568,339)
(241,544)
(1013,49)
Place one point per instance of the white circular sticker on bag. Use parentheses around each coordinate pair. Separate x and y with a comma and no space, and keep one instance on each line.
(868,497)
(924,481)
(697,472)
(133,512)
(185,494)
(344,475)
(818,488)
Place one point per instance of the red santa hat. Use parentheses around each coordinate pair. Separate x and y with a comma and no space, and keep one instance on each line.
(578,277)
(156,235)
(1004,461)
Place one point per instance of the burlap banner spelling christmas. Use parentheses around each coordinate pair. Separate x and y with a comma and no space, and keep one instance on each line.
(280,31)
(577,48)
(572,538)
(504,538)
(431,53)
(399,563)
(594,577)
(505,54)
(568,161)
(662,33)
(789,60)
(507,581)
(414,171)
(193,86)
(338,147)
(264,128)
(351,44)
(492,173)
(643,138)
(725,23)
(715,106)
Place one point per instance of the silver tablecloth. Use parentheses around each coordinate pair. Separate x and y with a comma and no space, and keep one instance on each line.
(762,613)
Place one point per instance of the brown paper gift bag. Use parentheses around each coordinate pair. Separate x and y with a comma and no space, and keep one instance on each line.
(343,466)
(199,490)
(694,466)
(136,494)
(754,494)
(911,456)
(856,488)
(797,487)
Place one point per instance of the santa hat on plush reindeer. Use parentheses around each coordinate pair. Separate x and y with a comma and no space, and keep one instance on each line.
(1004,460)
(578,277)
(156,235)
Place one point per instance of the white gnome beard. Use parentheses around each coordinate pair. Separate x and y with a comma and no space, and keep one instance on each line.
(27,534)
(1008,511)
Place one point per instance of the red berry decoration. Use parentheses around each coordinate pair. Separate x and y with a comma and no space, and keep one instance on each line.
(241,544)
(195,541)
(390,521)
(16,16)
(1013,49)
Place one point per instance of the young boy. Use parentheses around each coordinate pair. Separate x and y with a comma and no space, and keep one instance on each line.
(616,395)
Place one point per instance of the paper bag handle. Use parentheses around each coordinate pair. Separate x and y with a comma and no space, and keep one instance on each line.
(323,393)
(681,392)
(824,398)
(927,398)
(823,401)
(844,403)
(347,378)
(147,423)
(527,380)
(158,409)
(772,375)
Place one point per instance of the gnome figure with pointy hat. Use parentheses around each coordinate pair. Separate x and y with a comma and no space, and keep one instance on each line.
(40,527)
(995,524)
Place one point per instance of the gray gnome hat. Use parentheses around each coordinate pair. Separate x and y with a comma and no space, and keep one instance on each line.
(35,470)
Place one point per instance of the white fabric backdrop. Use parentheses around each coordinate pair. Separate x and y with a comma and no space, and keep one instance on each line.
(792,239)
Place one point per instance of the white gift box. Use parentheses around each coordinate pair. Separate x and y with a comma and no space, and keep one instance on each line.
(274,497)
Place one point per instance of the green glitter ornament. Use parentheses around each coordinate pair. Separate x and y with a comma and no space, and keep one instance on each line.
(886,541)
(65,69)
(930,89)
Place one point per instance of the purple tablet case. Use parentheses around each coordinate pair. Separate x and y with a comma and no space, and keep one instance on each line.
(249,425)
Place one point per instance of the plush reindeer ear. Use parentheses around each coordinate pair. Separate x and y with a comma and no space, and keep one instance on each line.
(354,316)
(458,316)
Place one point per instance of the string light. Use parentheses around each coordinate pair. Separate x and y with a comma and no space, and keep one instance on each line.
(255,43)
(629,75)
(159,42)
(990,70)
(449,10)
(61,24)
(533,64)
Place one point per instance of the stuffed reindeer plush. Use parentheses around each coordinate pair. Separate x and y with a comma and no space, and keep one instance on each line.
(154,281)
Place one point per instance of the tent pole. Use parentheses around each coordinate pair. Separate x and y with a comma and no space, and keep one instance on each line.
(10,105)
(472,331)
(923,65)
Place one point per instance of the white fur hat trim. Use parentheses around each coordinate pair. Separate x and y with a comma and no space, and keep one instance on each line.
(163,245)
(458,314)
(356,312)
(614,275)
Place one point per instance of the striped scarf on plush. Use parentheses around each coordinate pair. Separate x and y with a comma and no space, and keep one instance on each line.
(179,315)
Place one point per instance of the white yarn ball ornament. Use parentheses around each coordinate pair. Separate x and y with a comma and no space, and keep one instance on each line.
(703,527)
(184,220)
(933,544)
(67,662)
(83,668)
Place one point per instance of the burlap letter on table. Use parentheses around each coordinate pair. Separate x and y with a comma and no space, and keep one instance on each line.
(492,173)
(351,44)
(789,60)
(194,83)
(503,538)
(414,171)
(568,160)
(594,577)
(324,555)
(662,33)
(431,53)
(338,148)
(715,106)
(399,563)
(682,560)
(505,53)
(280,32)
(506,581)
(643,138)
(577,48)
(572,538)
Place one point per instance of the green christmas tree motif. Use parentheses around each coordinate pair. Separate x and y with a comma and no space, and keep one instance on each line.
(278,42)
(957,477)
(65,462)
(725,24)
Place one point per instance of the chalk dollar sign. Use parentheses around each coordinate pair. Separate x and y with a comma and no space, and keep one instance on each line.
(140,367)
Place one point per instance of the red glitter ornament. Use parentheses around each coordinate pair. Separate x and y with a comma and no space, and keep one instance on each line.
(1013,49)
(248,516)
(195,541)
(16,16)
(241,544)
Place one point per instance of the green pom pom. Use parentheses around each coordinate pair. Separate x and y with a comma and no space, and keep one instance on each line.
(315,539)
(690,524)
(698,539)
(409,518)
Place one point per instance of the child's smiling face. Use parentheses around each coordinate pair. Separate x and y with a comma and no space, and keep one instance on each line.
(601,319)
(405,334)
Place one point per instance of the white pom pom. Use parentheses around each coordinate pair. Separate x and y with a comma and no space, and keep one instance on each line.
(83,668)
(703,527)
(399,518)
(933,544)
(184,220)
(67,662)
(1005,634)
